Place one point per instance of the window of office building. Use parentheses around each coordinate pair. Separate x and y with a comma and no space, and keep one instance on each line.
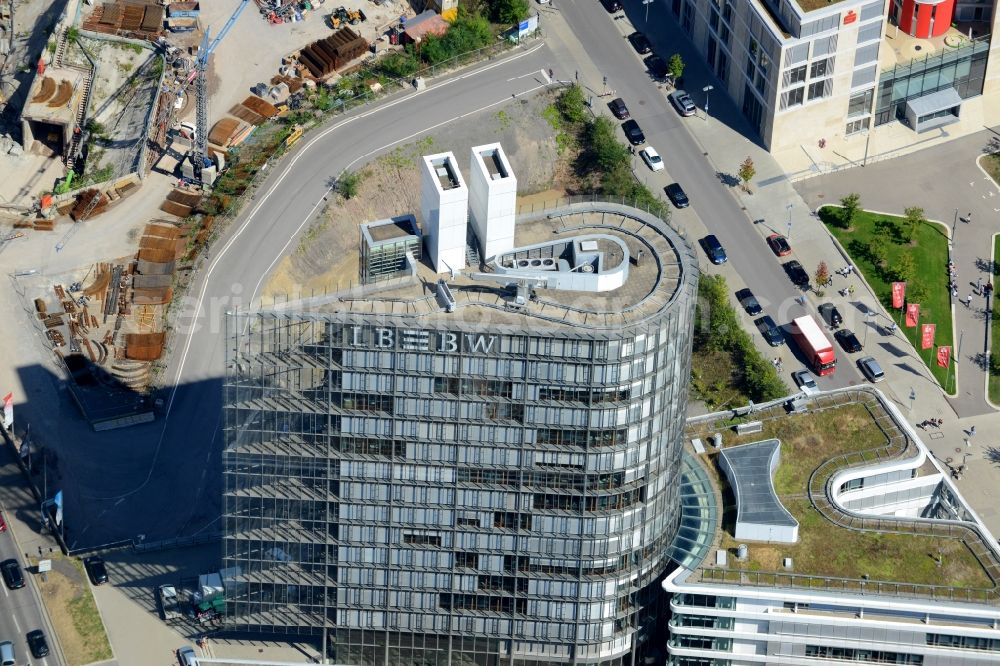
(858,654)
(864,77)
(860,103)
(872,10)
(797,54)
(824,46)
(821,68)
(964,642)
(826,24)
(866,54)
(856,126)
(753,109)
(870,33)
(795,75)
(820,89)
(793,97)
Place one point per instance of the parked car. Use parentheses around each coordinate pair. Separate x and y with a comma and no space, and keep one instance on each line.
(682,102)
(831,315)
(677,195)
(796,274)
(633,132)
(12,575)
(96,571)
(656,66)
(37,644)
(7,657)
(749,302)
(640,43)
(713,248)
(651,158)
(617,106)
(612,6)
(805,381)
(871,369)
(779,245)
(772,334)
(186,656)
(848,340)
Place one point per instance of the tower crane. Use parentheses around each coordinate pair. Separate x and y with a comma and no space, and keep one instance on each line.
(201,163)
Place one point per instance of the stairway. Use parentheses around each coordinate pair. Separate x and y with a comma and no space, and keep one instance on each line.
(471,248)
(57,59)
(81,115)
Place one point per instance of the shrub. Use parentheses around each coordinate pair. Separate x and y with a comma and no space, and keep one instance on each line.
(607,152)
(508,12)
(850,205)
(572,105)
(348,184)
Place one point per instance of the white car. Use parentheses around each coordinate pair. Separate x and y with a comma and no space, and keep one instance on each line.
(805,381)
(651,158)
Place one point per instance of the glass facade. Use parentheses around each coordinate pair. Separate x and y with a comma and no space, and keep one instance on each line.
(963,69)
(454,494)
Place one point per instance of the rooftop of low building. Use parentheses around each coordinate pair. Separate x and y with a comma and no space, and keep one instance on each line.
(836,550)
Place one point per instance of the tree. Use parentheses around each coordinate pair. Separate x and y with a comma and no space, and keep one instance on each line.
(876,250)
(914,216)
(747,172)
(608,152)
(508,12)
(572,105)
(904,268)
(849,208)
(348,183)
(676,67)
(822,274)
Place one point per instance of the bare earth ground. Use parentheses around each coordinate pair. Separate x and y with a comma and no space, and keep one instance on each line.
(74,615)
(326,256)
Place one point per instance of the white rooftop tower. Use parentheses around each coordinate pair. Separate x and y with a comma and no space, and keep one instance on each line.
(492,199)
(444,204)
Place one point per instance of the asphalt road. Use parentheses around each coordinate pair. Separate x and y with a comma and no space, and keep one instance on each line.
(712,204)
(19,609)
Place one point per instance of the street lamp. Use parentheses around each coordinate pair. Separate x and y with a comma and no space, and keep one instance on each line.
(789,208)
(647,3)
(869,315)
(913,396)
(707,89)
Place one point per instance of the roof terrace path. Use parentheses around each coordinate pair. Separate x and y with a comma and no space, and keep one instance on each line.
(662,263)
(839,550)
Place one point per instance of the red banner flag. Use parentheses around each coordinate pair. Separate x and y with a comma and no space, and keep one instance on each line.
(927,336)
(912,314)
(943,356)
(898,294)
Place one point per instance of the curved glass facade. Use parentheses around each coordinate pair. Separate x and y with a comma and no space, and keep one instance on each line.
(447,491)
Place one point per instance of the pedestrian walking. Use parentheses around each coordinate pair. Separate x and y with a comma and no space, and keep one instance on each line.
(979,285)
(954,292)
(968,218)
(972,431)
(968,301)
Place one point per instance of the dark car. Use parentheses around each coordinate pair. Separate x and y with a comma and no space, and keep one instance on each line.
(713,248)
(748,301)
(848,340)
(682,102)
(779,245)
(831,315)
(96,571)
(37,644)
(12,575)
(796,274)
(612,6)
(633,132)
(677,195)
(640,43)
(770,331)
(656,66)
(617,106)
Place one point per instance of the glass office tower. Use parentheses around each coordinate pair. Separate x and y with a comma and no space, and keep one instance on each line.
(459,475)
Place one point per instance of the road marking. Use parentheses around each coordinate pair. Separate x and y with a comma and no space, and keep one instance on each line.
(14,617)
(281,254)
(246,222)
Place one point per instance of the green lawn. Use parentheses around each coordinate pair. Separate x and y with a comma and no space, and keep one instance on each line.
(992,165)
(929,250)
(994,386)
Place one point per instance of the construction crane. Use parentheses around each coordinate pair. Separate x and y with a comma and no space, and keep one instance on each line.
(201,159)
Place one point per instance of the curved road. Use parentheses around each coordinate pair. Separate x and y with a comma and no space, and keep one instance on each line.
(179,492)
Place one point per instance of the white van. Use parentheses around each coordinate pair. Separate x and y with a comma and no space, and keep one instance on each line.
(7,654)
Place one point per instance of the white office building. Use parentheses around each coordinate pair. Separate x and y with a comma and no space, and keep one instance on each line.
(888,566)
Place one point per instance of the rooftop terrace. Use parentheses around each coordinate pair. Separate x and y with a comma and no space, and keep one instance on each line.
(661,263)
(838,550)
